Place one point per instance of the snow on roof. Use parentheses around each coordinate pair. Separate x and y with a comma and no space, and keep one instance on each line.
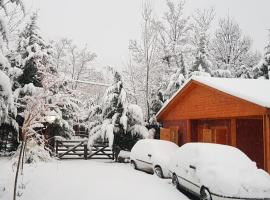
(253,90)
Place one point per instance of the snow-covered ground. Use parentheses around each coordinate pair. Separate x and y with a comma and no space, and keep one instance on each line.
(84,180)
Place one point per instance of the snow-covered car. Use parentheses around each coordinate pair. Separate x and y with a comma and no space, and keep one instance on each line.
(213,171)
(152,156)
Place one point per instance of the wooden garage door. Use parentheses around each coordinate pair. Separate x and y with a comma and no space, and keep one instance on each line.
(213,131)
(249,138)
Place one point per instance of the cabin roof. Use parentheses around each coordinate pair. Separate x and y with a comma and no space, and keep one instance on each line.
(256,91)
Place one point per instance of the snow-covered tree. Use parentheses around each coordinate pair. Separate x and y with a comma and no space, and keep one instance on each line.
(222,73)
(145,54)
(175,82)
(35,54)
(201,63)
(8,111)
(173,34)
(263,68)
(230,48)
(115,120)
(201,24)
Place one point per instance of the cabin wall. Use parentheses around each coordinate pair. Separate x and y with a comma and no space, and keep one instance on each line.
(204,102)
(181,125)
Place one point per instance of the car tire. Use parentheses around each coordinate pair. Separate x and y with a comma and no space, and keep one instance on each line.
(133,164)
(158,171)
(205,194)
(175,181)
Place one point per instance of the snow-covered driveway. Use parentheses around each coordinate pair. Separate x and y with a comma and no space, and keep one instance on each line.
(85,180)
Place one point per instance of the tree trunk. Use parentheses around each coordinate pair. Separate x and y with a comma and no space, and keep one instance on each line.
(17,172)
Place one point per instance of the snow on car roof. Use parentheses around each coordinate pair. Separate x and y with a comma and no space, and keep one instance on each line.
(253,90)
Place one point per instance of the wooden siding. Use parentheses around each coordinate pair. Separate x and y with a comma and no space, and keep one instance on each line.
(199,101)
(182,127)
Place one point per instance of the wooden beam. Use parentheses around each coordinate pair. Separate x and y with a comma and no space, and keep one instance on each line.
(266,134)
(233,132)
(188,130)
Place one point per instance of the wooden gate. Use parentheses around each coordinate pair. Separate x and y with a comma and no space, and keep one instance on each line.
(77,149)
(8,138)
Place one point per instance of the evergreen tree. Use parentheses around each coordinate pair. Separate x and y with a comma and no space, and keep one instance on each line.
(117,121)
(202,64)
(263,69)
(35,55)
(8,110)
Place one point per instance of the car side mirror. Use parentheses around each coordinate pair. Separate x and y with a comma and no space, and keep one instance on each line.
(149,155)
(192,167)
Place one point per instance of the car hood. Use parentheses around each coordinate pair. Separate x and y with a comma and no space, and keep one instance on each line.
(249,183)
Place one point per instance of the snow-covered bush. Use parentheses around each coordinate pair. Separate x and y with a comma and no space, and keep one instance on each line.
(35,151)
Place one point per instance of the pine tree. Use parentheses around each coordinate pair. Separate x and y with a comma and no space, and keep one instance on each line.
(119,122)
(35,54)
(202,64)
(263,69)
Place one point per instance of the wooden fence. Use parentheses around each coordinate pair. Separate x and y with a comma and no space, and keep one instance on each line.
(77,149)
(8,139)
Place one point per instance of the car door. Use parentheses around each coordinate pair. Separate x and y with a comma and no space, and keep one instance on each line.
(148,159)
(194,184)
(144,159)
(187,177)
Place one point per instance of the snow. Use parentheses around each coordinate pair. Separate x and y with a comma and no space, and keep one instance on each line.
(123,156)
(84,180)
(225,170)
(253,90)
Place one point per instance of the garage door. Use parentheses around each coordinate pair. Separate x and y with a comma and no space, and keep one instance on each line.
(249,138)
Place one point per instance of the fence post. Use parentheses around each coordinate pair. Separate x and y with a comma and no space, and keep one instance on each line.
(85,151)
(56,147)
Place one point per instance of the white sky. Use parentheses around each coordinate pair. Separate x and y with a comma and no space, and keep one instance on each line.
(108,25)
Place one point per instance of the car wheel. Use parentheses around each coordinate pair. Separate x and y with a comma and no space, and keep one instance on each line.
(205,194)
(158,171)
(175,181)
(133,164)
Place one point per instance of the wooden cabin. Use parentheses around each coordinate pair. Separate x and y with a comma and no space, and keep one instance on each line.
(221,110)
